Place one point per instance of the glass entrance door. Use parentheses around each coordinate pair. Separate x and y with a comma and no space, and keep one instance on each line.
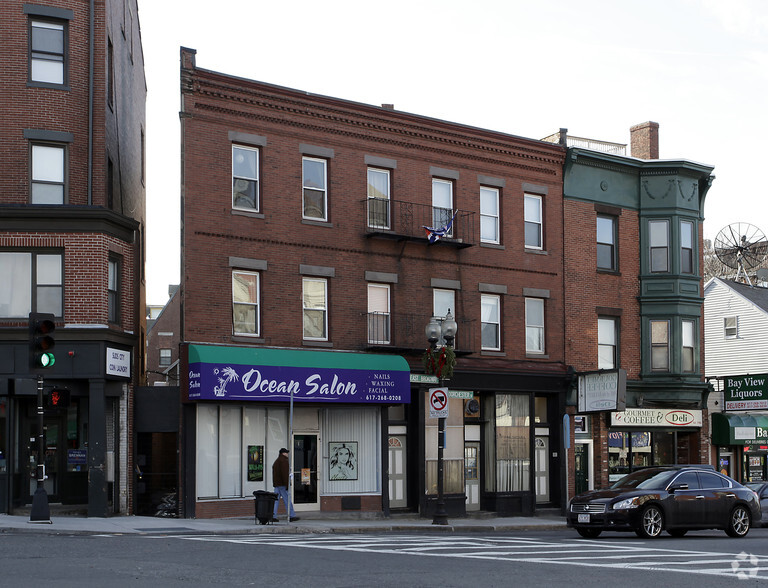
(305,494)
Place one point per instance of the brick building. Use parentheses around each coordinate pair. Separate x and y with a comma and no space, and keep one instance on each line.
(308,282)
(634,302)
(72,106)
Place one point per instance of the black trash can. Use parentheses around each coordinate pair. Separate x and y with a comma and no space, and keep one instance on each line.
(264,503)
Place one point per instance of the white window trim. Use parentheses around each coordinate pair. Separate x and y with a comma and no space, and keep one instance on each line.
(324,190)
(692,346)
(257,304)
(691,248)
(540,328)
(43,182)
(494,217)
(388,314)
(386,172)
(654,345)
(612,243)
(257,195)
(539,222)
(324,308)
(438,223)
(614,346)
(651,246)
(497,303)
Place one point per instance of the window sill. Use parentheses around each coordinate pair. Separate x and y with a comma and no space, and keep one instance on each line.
(249,339)
(530,355)
(608,272)
(48,85)
(317,343)
(492,245)
(254,214)
(536,251)
(317,223)
(490,353)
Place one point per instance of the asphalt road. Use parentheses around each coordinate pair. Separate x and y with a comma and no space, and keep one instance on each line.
(525,558)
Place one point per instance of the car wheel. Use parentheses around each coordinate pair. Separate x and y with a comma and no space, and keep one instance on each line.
(677,532)
(651,522)
(589,533)
(738,523)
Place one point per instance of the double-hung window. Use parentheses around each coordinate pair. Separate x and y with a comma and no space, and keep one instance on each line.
(378,198)
(534,325)
(315,308)
(315,188)
(442,204)
(607,343)
(489,215)
(443,302)
(731,327)
(658,238)
(686,247)
(689,346)
(32,282)
(378,314)
(165,358)
(490,320)
(660,346)
(48,174)
(245,178)
(533,222)
(113,291)
(245,303)
(47,51)
(606,243)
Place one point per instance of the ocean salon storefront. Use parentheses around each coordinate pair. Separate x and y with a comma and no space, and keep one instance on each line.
(642,437)
(242,404)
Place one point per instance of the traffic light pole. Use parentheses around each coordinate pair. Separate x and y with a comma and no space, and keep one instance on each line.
(41,512)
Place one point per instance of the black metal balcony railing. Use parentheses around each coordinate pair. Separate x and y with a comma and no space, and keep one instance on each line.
(395,219)
(406,332)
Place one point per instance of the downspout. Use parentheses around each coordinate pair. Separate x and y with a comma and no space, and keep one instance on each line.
(90,102)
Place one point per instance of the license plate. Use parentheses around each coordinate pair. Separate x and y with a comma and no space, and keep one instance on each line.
(583,518)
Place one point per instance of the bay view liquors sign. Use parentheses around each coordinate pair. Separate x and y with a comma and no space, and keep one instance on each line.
(602,391)
(258,374)
(651,417)
(746,392)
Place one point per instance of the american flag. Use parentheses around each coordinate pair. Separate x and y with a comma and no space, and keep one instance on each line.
(434,234)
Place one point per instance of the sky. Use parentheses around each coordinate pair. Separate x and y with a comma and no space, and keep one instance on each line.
(699,68)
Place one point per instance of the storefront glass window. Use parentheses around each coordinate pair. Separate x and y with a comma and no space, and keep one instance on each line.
(207,451)
(513,457)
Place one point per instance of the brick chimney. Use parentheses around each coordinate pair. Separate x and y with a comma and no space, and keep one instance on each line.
(644,140)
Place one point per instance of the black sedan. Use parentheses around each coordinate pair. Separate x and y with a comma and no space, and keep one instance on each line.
(761,489)
(675,499)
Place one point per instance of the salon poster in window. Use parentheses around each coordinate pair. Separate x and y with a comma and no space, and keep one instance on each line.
(255,463)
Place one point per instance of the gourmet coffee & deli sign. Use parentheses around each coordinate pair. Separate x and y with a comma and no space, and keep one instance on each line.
(746,392)
(651,417)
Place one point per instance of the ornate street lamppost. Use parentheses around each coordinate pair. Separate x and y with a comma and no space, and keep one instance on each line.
(442,367)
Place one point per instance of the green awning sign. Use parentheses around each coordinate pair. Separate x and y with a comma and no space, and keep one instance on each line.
(264,374)
(739,429)
(746,392)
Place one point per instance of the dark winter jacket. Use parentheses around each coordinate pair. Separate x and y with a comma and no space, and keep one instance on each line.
(280,471)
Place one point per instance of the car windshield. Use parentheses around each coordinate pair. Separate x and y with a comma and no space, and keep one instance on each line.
(650,479)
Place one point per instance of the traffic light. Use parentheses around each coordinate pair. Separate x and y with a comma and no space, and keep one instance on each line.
(41,342)
(58,398)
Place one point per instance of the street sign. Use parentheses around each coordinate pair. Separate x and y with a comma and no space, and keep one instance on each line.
(438,403)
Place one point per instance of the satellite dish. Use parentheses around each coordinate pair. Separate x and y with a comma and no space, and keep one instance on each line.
(741,246)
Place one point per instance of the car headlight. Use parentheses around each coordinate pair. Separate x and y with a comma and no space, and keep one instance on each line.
(626,503)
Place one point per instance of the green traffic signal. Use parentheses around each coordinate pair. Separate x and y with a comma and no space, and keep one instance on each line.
(41,341)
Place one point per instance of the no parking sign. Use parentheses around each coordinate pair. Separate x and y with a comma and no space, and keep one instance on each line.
(438,403)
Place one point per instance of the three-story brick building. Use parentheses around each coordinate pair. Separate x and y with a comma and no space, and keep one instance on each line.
(308,280)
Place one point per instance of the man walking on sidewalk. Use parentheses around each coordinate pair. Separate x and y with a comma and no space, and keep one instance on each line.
(281,480)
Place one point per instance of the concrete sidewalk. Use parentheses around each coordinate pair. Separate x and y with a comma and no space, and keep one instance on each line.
(309,523)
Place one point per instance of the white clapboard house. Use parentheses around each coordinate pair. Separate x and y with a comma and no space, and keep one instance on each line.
(736,344)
